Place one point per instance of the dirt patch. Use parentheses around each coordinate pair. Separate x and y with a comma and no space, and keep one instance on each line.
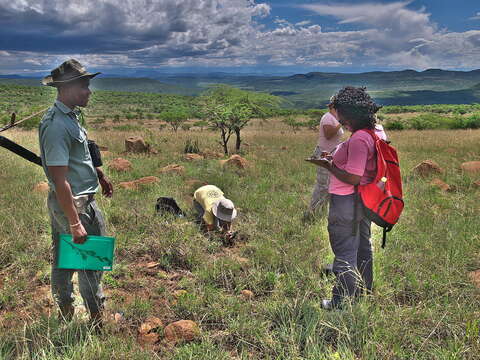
(475,277)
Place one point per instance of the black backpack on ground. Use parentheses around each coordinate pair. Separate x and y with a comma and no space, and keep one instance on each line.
(168,205)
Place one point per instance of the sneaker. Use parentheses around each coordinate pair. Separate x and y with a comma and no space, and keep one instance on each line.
(327,304)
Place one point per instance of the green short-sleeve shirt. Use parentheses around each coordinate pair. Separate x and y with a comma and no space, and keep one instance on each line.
(63,142)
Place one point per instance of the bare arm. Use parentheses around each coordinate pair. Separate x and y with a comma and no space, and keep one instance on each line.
(105,183)
(64,195)
(330,131)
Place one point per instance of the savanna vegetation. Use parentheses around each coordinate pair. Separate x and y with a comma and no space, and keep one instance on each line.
(424,304)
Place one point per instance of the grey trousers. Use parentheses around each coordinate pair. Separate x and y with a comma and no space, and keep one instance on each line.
(353,253)
(320,194)
(89,282)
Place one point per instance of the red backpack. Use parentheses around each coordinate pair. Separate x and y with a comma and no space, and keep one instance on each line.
(383,198)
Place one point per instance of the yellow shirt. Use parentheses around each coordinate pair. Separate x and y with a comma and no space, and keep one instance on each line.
(206,196)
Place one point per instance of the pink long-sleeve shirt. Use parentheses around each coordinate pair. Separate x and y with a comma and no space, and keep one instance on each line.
(356,156)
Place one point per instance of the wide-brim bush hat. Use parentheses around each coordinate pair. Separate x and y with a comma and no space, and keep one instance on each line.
(224,210)
(70,70)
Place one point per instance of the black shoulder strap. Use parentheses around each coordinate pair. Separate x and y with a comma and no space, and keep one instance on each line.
(20,150)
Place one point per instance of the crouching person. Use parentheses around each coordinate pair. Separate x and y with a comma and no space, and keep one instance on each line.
(214,211)
(73,181)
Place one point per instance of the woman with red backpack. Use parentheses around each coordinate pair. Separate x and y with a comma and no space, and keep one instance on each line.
(353,164)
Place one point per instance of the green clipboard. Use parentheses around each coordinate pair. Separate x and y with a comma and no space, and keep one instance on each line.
(94,254)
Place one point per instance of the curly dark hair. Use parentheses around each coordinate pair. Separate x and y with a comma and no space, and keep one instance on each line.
(356,106)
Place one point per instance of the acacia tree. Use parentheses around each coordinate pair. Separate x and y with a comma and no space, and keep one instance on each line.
(230,109)
(175,117)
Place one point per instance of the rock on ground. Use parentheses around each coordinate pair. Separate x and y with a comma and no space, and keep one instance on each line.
(475,277)
(191,157)
(136,144)
(427,168)
(441,185)
(150,324)
(180,331)
(207,154)
(471,167)
(135,184)
(235,160)
(173,168)
(247,294)
(120,164)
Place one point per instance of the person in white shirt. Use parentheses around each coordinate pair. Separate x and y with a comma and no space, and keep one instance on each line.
(329,137)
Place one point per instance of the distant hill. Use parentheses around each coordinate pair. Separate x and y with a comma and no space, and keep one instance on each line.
(407,87)
(115,84)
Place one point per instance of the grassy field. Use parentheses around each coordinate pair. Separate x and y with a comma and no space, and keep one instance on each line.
(423,307)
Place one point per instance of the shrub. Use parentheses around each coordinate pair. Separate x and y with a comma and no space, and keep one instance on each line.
(191,147)
(395,125)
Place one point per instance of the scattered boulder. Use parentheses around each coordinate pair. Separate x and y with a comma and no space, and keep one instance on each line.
(147,180)
(441,185)
(136,144)
(207,154)
(236,161)
(247,294)
(180,331)
(135,184)
(148,339)
(120,164)
(475,277)
(129,185)
(150,324)
(192,157)
(427,168)
(41,187)
(284,148)
(173,168)
(471,167)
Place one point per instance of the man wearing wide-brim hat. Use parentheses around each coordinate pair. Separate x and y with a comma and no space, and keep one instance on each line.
(214,210)
(73,181)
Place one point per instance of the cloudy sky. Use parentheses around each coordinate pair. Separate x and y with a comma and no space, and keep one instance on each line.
(131,36)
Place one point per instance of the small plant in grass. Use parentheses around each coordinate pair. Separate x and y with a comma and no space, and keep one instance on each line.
(292,123)
(191,147)
(138,309)
(116,118)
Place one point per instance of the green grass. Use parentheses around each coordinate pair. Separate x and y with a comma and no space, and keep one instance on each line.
(423,307)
